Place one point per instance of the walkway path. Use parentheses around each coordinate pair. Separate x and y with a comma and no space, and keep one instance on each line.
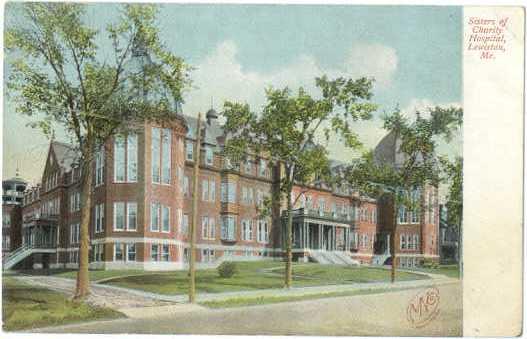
(126,299)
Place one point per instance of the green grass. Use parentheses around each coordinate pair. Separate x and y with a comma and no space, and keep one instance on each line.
(25,307)
(451,271)
(251,277)
(334,274)
(262,300)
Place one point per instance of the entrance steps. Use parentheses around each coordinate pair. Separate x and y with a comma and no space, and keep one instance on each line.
(16,256)
(379,259)
(332,258)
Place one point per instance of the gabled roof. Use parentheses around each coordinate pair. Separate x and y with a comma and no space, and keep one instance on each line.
(66,155)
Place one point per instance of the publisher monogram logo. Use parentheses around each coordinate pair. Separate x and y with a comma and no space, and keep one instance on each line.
(423,308)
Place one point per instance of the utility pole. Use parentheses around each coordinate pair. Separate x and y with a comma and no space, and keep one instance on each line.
(194,224)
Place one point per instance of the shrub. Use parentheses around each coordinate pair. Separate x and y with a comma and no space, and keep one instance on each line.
(227,269)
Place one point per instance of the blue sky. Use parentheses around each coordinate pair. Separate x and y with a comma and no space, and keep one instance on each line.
(238,50)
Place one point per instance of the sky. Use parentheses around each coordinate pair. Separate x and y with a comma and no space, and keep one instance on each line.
(413,52)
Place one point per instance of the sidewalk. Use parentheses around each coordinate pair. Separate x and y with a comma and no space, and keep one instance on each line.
(125,298)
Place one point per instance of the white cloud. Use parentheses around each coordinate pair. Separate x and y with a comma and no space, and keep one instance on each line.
(221,76)
(373,60)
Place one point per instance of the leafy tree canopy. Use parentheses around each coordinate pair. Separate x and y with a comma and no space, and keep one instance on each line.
(60,75)
(286,130)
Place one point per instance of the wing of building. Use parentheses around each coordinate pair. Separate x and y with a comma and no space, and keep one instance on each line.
(141,209)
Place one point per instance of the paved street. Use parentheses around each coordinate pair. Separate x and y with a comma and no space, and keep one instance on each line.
(378,314)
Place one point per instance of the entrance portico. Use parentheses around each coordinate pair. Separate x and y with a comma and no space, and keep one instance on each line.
(314,230)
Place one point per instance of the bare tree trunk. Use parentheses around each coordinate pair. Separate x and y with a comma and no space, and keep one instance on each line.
(83,278)
(394,233)
(289,242)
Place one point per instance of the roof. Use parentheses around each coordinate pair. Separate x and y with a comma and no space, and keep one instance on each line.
(66,154)
(387,151)
(212,127)
(17,180)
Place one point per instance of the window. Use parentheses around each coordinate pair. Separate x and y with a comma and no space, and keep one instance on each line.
(402,215)
(207,255)
(228,227)
(131,216)
(321,205)
(131,166)
(118,251)
(154,252)
(166,142)
(125,158)
(119,159)
(156,155)
(98,250)
(403,241)
(262,232)
(99,167)
(248,166)
(415,217)
(118,216)
(247,195)
(189,150)
(228,192)
(416,241)
(263,172)
(209,156)
(74,233)
(154,216)
(99,218)
(208,190)
(247,230)
(130,252)
(309,202)
(165,253)
(165,219)
(75,203)
(184,224)
(208,228)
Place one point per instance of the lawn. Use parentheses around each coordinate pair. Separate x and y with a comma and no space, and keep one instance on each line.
(451,271)
(262,300)
(25,307)
(255,276)
(334,274)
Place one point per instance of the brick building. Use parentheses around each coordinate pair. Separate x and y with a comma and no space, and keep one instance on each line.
(141,213)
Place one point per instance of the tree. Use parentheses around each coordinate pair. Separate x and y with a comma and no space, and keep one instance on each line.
(60,78)
(417,164)
(287,133)
(453,174)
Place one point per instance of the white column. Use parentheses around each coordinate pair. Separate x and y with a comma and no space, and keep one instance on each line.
(319,236)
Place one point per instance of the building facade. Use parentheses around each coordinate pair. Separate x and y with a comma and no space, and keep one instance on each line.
(12,197)
(141,209)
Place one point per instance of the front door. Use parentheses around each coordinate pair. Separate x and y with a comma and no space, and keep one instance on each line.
(325,236)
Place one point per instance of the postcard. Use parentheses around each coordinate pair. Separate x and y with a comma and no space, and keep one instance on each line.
(262,169)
